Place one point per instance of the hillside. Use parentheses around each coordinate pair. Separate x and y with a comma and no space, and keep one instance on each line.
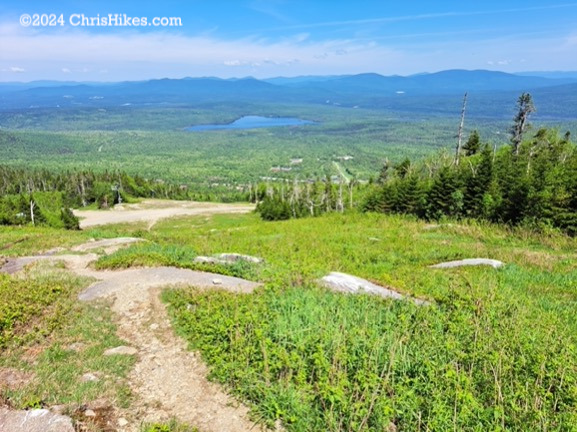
(415,94)
(482,355)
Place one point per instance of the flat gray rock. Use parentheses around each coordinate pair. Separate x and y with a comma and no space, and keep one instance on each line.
(146,278)
(470,262)
(342,282)
(234,257)
(208,260)
(38,420)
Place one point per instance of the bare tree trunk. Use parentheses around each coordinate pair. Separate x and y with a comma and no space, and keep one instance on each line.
(83,192)
(310,201)
(32,206)
(460,133)
(351,185)
(340,204)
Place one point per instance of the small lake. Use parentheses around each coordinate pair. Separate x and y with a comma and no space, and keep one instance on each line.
(252,122)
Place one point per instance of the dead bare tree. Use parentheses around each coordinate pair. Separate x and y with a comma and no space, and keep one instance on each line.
(460,133)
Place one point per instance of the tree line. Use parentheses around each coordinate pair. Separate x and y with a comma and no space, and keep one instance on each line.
(44,197)
(531,180)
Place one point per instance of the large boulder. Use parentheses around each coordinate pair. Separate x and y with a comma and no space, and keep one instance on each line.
(469,262)
(342,282)
(38,420)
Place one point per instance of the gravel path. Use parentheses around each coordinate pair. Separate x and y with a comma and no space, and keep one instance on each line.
(152,211)
(168,380)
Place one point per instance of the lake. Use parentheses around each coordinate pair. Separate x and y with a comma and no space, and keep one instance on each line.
(253,122)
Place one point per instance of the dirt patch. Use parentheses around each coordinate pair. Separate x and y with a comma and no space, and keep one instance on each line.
(14,379)
(152,211)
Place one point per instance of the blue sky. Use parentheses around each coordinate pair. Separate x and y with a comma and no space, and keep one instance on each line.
(265,38)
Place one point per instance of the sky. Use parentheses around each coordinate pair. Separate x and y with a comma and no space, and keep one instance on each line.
(269,38)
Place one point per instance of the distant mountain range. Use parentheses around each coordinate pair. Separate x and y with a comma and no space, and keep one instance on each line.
(491,92)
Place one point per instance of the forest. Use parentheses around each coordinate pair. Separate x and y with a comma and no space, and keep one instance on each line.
(532,180)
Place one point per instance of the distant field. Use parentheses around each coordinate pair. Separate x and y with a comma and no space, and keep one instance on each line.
(150,141)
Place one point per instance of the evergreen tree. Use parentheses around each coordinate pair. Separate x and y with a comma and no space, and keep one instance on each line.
(473,144)
(477,185)
(444,197)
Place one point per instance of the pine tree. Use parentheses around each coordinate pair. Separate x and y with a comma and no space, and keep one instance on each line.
(444,199)
(477,185)
(473,144)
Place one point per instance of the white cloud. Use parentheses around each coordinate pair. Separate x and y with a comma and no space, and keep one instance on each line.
(233,63)
(131,56)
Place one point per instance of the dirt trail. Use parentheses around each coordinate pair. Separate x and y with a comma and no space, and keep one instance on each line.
(168,381)
(152,211)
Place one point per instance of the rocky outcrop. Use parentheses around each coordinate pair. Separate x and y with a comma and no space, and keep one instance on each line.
(38,420)
(228,258)
(470,262)
(342,282)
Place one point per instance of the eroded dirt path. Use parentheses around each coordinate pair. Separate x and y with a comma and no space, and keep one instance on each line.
(152,211)
(168,381)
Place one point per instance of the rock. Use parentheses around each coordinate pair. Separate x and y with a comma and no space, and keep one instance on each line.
(122,422)
(234,257)
(374,239)
(342,282)
(89,377)
(217,281)
(153,326)
(76,346)
(470,262)
(121,350)
(208,260)
(89,413)
(39,420)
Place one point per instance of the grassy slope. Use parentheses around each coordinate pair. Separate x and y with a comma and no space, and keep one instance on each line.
(496,352)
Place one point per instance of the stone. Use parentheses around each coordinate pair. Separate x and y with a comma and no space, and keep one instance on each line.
(234,257)
(89,377)
(342,282)
(89,413)
(122,422)
(121,350)
(217,281)
(153,326)
(208,260)
(470,262)
(38,420)
(76,346)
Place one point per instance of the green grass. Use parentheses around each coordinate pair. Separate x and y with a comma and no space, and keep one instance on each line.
(172,426)
(47,320)
(497,350)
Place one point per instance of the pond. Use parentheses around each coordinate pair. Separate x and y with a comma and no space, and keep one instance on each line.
(253,122)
